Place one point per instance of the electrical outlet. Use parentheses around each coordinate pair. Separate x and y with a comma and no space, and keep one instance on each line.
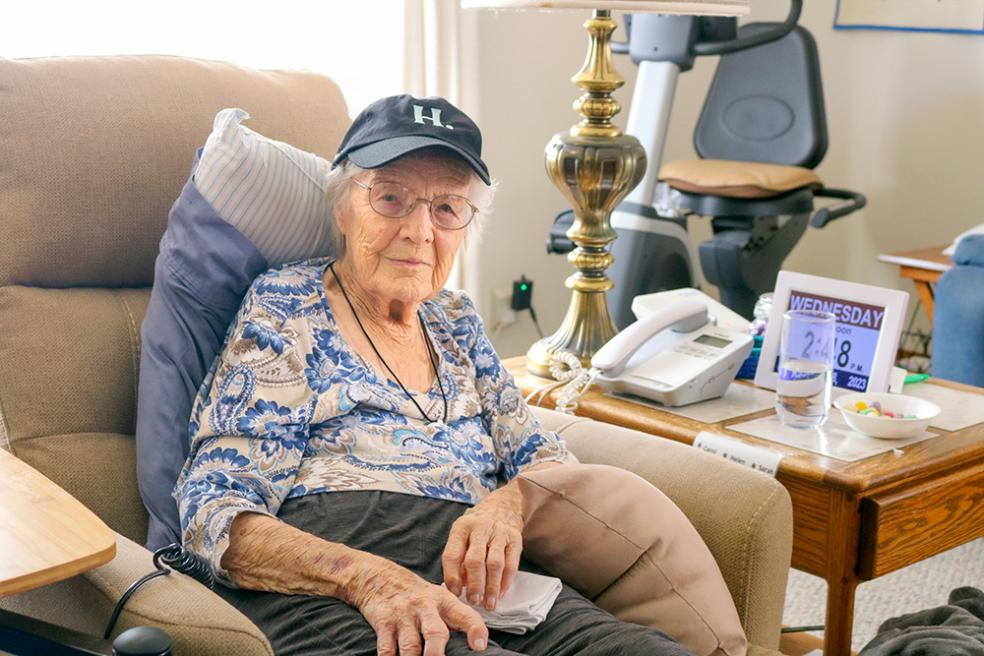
(502,313)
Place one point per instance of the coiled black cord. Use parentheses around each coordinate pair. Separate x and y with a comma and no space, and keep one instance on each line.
(174,556)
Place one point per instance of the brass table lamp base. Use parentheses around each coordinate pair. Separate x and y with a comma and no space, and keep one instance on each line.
(595,166)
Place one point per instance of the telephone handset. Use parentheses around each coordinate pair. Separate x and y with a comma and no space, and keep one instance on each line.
(682,316)
(674,355)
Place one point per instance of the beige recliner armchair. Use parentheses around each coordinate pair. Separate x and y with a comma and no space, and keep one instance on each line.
(93,151)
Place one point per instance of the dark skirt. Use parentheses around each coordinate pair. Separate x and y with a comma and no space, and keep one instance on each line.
(412,531)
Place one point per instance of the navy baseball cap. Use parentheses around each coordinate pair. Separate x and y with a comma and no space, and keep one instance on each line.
(392,127)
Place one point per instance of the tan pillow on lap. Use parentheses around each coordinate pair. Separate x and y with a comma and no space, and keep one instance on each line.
(623,544)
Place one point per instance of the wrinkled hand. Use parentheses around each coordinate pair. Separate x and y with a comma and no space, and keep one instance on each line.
(484,546)
(401,607)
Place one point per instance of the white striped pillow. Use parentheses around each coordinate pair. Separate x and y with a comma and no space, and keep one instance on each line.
(270,191)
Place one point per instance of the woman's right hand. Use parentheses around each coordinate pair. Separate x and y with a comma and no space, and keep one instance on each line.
(401,607)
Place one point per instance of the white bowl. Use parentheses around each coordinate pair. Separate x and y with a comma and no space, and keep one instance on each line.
(888,427)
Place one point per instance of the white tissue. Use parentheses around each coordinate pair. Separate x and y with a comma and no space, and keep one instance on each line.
(524,606)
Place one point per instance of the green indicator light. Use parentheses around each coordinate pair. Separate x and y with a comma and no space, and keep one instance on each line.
(523,287)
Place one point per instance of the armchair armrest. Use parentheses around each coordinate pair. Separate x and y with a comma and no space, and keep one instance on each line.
(199,621)
(744,517)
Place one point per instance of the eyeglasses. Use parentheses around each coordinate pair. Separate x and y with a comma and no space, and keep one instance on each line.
(391,199)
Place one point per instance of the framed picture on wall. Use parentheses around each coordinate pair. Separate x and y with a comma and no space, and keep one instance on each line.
(958,16)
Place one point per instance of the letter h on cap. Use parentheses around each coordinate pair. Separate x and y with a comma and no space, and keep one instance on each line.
(434,118)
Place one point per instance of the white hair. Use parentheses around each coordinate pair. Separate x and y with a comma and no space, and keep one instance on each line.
(337,191)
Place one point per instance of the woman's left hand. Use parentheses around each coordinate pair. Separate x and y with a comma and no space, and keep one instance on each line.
(484,547)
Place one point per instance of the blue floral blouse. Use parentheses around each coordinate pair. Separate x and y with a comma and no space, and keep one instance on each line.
(290,409)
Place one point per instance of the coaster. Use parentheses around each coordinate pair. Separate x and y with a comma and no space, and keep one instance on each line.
(738,401)
(835,439)
(959,409)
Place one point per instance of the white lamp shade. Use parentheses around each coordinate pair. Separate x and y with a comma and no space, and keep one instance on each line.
(682,7)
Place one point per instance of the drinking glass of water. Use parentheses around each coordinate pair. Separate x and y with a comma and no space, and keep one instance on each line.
(806,363)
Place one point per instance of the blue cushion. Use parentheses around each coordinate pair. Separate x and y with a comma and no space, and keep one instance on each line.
(203,270)
(958,318)
(251,202)
(970,251)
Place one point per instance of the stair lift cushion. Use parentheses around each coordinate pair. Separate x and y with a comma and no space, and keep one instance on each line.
(250,203)
(737,179)
(634,553)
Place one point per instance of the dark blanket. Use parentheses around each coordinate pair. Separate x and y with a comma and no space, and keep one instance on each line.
(956,629)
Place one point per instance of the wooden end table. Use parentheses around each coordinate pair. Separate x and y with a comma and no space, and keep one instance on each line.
(923,266)
(852,521)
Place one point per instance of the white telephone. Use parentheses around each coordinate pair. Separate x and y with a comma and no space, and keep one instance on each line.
(675,354)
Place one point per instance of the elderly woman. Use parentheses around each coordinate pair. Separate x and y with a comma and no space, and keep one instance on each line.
(354,444)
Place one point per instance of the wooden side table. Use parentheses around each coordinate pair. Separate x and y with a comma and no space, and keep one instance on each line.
(852,521)
(47,534)
(923,266)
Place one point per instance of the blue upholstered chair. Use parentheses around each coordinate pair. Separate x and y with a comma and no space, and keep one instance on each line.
(958,327)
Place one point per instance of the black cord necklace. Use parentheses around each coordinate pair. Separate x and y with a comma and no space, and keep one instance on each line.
(432,356)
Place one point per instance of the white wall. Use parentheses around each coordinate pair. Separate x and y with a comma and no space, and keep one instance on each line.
(525,62)
(905,115)
(320,37)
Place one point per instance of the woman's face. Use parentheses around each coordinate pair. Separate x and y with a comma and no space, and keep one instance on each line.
(406,259)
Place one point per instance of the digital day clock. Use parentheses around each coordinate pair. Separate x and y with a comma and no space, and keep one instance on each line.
(869,325)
